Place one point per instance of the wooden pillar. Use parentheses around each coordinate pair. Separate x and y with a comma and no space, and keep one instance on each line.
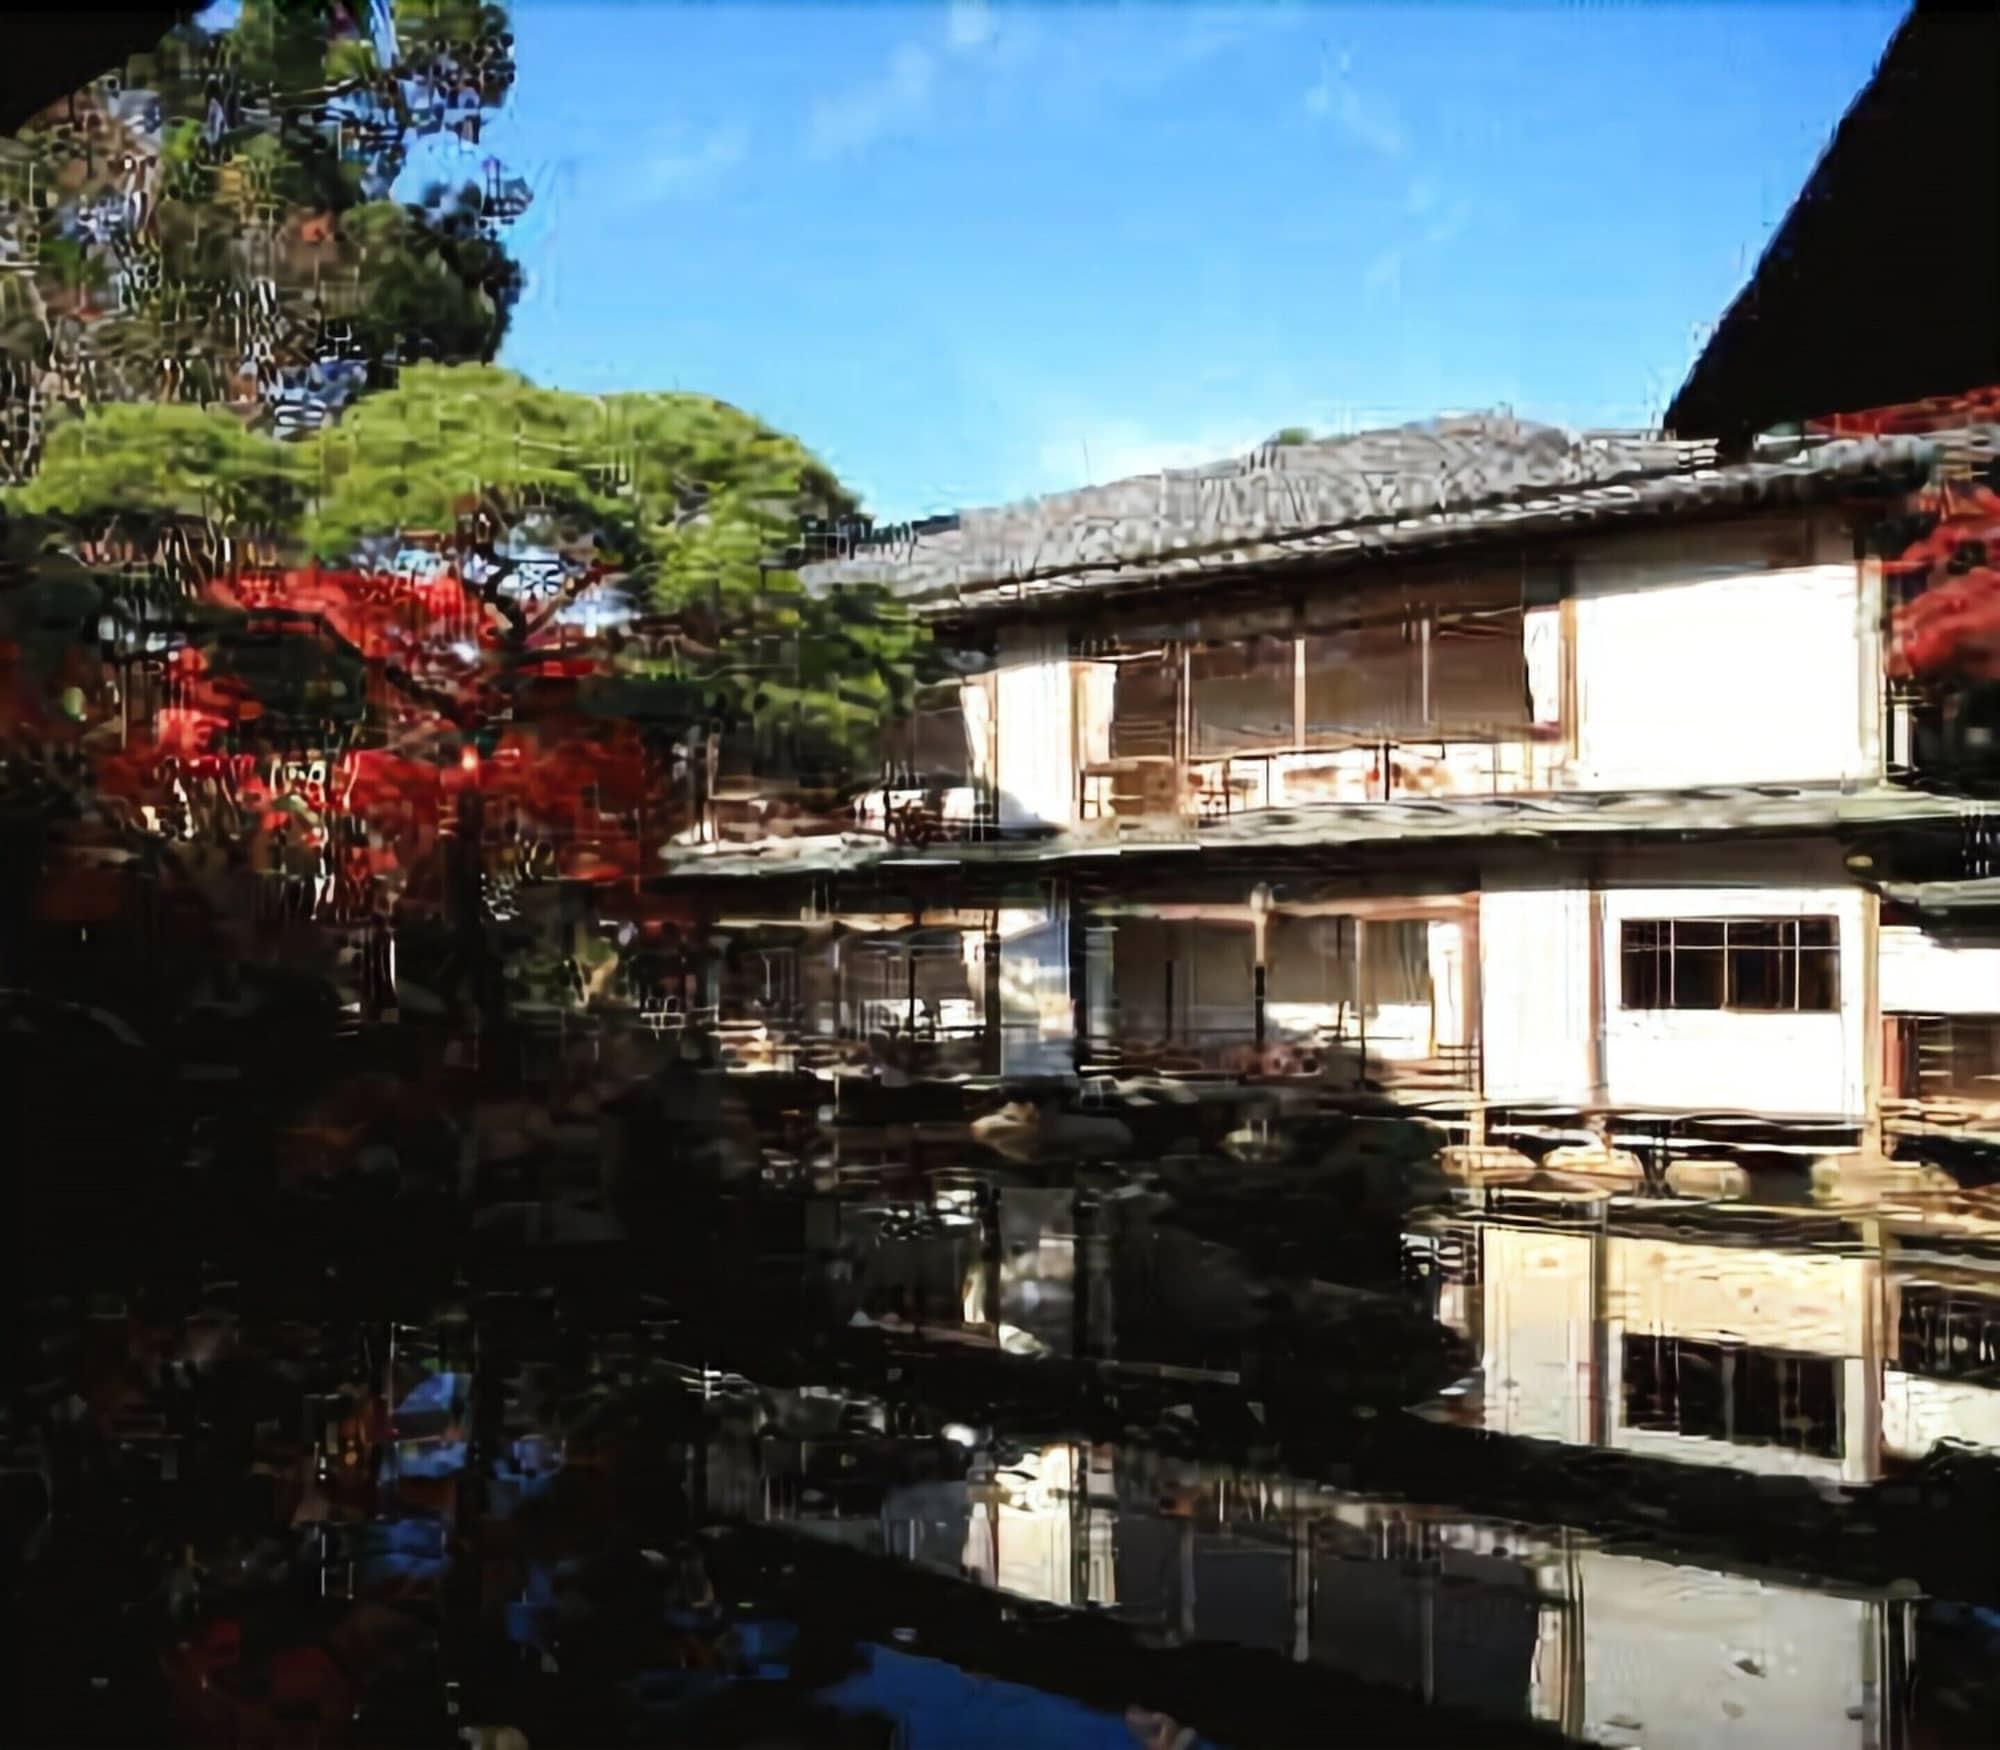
(1361,993)
(1187,1578)
(1077,939)
(1872,1139)
(1474,996)
(994,1041)
(1302,1580)
(1599,1090)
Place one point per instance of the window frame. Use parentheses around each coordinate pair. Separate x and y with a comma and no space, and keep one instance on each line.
(1741,1394)
(1657,990)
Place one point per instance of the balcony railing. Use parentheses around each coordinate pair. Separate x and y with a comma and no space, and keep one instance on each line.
(1206,790)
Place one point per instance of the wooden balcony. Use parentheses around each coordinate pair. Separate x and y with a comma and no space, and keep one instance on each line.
(1213,788)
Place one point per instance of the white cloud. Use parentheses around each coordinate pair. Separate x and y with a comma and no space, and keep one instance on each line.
(1367,121)
(1449,223)
(1385,273)
(968,25)
(849,121)
(1211,32)
(683,170)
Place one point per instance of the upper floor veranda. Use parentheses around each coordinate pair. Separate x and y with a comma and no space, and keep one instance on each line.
(1478,608)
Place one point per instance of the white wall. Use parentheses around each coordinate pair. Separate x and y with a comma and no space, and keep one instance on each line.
(1036,748)
(1759,676)
(1807,1303)
(1923,976)
(1037,1021)
(1918,1412)
(1534,984)
(1683,1657)
(1811,1303)
(1805,1065)
(1535,1358)
(1447,958)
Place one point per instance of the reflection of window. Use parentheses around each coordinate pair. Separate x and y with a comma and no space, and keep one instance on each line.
(1946,1335)
(1947,1057)
(1366,680)
(1309,960)
(931,743)
(1398,952)
(1433,669)
(1143,707)
(1242,695)
(1730,963)
(1722,1391)
(1479,670)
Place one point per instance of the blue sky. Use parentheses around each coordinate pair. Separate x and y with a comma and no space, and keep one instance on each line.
(971,253)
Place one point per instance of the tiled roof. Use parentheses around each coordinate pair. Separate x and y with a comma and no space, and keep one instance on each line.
(1414,487)
(1678,814)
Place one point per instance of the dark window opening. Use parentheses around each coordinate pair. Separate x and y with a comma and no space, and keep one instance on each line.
(1723,1391)
(1145,701)
(1947,1335)
(1759,964)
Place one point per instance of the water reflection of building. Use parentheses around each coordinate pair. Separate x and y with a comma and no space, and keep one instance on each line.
(1782,1342)
(1506,1620)
(1785,1342)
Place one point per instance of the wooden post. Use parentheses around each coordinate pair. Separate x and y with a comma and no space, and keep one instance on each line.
(1599,1093)
(1078,941)
(1260,925)
(994,1043)
(1872,1139)
(1472,982)
(1361,995)
(1302,1580)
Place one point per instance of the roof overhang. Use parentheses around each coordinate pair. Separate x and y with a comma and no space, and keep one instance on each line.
(1881,285)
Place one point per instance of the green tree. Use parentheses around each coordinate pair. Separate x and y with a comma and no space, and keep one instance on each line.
(215,224)
(683,509)
(682,505)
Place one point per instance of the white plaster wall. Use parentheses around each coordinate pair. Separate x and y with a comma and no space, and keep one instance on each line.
(1762,676)
(1541,640)
(1037,1023)
(1096,695)
(975,701)
(1036,745)
(1807,1303)
(1447,957)
(1680,1658)
(1918,1412)
(1804,1065)
(1923,976)
(1535,1356)
(1030,1524)
(1534,984)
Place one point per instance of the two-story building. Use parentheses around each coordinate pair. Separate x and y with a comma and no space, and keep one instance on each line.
(1532,774)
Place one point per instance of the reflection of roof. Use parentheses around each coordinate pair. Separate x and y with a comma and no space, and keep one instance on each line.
(1479,479)
(1981,894)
